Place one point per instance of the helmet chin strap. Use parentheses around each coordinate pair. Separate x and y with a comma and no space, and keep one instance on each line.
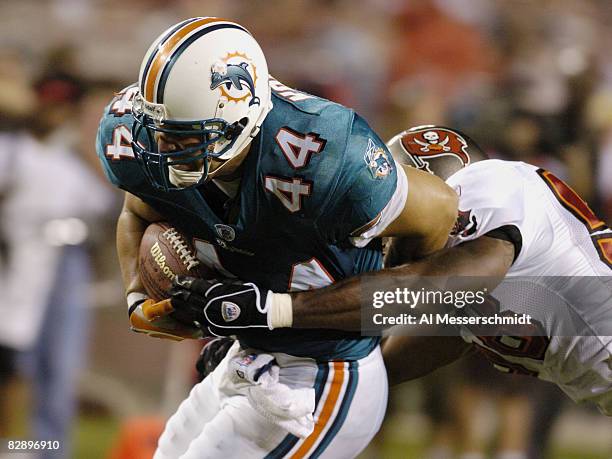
(183,179)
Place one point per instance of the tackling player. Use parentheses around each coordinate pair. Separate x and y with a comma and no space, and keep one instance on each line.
(514,220)
(277,186)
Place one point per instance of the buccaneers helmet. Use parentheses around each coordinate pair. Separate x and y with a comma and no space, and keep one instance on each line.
(438,150)
(204,78)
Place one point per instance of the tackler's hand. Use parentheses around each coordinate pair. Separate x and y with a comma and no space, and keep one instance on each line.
(219,307)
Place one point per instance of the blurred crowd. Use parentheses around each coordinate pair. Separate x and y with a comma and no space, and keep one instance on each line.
(528,80)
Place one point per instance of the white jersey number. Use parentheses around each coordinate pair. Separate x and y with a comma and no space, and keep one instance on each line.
(122,104)
(121,148)
(289,192)
(298,148)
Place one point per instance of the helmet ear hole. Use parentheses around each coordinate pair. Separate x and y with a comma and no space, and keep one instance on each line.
(235,129)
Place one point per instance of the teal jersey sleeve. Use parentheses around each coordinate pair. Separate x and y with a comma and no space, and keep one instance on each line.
(103,137)
(114,142)
(367,183)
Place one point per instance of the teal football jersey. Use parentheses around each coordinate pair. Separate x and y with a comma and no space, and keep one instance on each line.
(315,173)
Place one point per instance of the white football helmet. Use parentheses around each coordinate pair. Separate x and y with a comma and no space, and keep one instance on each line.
(203,77)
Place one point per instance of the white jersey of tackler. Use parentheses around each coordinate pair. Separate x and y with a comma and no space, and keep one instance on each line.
(561,276)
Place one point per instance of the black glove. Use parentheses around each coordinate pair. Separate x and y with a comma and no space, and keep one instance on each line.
(213,351)
(220,308)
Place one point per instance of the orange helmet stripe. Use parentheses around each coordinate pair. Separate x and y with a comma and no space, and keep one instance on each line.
(164,52)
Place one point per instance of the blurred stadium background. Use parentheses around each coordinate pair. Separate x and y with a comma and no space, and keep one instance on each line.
(529,80)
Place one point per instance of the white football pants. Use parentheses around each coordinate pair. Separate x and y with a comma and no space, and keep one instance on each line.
(217,421)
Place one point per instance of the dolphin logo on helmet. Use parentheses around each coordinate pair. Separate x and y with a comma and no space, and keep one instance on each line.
(234,74)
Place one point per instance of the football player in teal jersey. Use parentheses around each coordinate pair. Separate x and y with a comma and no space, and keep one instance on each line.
(282,188)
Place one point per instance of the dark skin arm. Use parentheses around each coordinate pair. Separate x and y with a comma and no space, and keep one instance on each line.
(412,357)
(338,306)
(408,357)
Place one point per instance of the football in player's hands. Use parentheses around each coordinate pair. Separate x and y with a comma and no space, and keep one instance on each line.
(164,254)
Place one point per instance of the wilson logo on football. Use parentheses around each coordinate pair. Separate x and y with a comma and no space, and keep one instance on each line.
(160,260)
(428,142)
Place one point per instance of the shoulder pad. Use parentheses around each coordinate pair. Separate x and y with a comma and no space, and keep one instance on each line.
(491,195)
(302,101)
(113,141)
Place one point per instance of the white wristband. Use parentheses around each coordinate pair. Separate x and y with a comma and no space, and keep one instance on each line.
(280,310)
(133,297)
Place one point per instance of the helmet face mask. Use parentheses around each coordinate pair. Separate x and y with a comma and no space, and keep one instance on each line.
(204,80)
(216,138)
